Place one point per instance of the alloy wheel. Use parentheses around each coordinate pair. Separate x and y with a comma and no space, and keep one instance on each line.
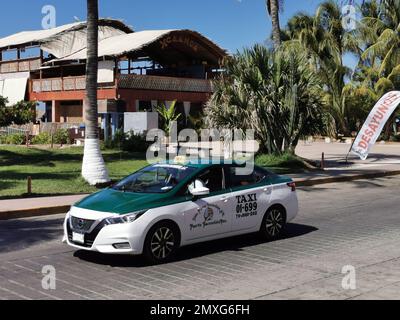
(162,243)
(274,222)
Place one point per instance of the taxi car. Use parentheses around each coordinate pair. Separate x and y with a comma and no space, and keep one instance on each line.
(166,206)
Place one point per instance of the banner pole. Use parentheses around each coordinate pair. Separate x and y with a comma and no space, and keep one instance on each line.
(351,147)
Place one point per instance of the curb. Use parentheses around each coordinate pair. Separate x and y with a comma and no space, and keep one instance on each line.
(37,212)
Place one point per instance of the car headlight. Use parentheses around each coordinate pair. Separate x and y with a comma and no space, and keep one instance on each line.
(127,218)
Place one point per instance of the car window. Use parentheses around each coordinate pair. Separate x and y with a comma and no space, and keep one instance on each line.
(154,179)
(254,178)
(212,179)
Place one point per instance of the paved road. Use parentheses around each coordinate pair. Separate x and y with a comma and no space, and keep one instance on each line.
(354,224)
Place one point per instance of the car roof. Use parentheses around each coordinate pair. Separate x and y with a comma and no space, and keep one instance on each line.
(202,164)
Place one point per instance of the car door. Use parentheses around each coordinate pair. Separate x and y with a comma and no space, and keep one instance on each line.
(251,198)
(208,216)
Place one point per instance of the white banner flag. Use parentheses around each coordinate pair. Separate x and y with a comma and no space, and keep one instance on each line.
(375,123)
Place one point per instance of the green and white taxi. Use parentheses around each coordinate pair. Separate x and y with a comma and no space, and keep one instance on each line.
(166,206)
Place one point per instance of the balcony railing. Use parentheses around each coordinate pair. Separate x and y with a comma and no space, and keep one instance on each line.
(22,65)
(59,84)
(161,83)
(130,81)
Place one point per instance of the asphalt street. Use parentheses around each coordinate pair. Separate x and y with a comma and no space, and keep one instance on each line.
(348,224)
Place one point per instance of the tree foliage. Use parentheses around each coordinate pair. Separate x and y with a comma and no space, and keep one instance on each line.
(168,116)
(20,113)
(277,94)
(350,94)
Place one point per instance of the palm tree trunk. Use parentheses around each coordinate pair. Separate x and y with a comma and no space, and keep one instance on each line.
(273,7)
(94,170)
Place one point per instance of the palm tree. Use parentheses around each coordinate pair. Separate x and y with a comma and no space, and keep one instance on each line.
(326,42)
(378,70)
(296,26)
(168,116)
(94,170)
(276,94)
(273,8)
(383,34)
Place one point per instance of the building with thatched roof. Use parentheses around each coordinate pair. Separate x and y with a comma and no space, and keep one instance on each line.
(137,71)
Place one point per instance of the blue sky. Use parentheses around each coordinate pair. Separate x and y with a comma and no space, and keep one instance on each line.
(233,24)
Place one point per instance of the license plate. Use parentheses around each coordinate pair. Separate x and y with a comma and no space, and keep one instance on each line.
(78,237)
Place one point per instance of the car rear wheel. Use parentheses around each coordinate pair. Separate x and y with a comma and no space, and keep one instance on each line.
(161,243)
(274,223)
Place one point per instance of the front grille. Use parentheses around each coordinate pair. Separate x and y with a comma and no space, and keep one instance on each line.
(81,225)
(89,237)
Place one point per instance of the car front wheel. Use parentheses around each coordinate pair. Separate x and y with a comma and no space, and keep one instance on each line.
(161,243)
(273,223)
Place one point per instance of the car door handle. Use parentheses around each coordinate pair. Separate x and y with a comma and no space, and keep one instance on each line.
(267,190)
(225,199)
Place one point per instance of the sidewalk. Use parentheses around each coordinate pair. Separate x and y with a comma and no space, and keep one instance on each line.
(384,160)
(22,208)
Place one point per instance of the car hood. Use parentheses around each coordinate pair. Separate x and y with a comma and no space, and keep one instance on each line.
(119,202)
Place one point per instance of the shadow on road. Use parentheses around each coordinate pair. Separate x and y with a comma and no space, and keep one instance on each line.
(236,244)
(21,234)
(360,184)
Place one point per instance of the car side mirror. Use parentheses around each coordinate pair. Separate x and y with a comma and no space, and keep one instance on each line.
(197,189)
(199,192)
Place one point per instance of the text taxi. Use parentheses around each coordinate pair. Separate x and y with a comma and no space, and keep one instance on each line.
(166,206)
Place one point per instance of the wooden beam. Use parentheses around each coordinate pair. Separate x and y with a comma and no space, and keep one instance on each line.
(71,95)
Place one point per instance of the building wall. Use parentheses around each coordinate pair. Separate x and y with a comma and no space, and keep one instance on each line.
(71,113)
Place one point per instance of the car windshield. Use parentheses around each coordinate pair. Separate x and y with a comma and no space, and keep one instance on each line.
(155,179)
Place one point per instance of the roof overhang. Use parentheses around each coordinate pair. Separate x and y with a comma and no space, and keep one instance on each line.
(39,37)
(163,46)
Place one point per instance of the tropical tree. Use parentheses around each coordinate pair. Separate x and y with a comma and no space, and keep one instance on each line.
(168,116)
(326,41)
(94,170)
(377,71)
(276,94)
(295,27)
(382,37)
(273,7)
(21,113)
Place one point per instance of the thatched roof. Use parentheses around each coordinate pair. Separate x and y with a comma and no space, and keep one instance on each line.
(39,37)
(117,40)
(162,45)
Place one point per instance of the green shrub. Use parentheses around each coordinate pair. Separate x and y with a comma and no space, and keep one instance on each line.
(61,137)
(135,142)
(116,142)
(42,138)
(284,160)
(395,138)
(119,139)
(128,142)
(15,139)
